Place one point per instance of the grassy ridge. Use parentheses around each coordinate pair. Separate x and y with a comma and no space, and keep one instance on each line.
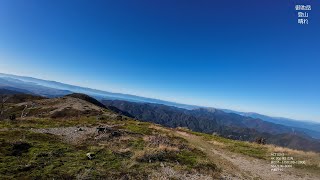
(29,155)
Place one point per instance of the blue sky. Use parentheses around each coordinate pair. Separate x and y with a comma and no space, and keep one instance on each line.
(242,55)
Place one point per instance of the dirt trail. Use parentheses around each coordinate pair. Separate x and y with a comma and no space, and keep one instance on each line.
(237,166)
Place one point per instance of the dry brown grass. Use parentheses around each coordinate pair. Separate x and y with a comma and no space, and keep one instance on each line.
(291,151)
(168,148)
(312,158)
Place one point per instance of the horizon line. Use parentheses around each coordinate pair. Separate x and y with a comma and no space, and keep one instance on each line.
(154,98)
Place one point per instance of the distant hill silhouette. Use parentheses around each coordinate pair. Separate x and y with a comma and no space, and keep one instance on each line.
(87,98)
(98,103)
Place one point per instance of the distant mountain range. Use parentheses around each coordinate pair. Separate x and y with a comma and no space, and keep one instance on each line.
(18,85)
(28,83)
(229,125)
(258,122)
(310,128)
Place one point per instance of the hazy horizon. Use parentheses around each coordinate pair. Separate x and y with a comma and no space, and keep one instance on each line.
(217,54)
(222,108)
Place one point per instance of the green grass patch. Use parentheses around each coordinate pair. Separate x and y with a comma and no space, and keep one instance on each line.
(47,157)
(138,127)
(249,149)
(137,144)
(187,158)
(246,148)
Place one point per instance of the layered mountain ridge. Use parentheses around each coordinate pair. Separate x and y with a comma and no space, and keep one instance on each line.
(229,124)
(211,121)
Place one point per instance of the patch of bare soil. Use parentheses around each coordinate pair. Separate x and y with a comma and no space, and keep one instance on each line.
(76,135)
(185,134)
(73,135)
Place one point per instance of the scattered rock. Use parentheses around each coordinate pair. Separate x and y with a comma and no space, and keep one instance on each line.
(79,129)
(115,134)
(124,177)
(90,156)
(101,118)
(103,129)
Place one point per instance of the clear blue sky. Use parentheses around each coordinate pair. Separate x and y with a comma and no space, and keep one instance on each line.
(243,55)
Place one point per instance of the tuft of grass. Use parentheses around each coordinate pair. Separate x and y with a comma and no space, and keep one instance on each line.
(137,144)
(187,158)
(312,158)
(138,127)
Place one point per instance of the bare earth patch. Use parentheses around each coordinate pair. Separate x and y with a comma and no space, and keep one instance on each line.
(73,135)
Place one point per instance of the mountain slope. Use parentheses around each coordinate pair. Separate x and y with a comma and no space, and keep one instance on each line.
(216,121)
(235,120)
(98,103)
(310,128)
(82,146)
(39,107)
(164,115)
(87,98)
(8,91)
